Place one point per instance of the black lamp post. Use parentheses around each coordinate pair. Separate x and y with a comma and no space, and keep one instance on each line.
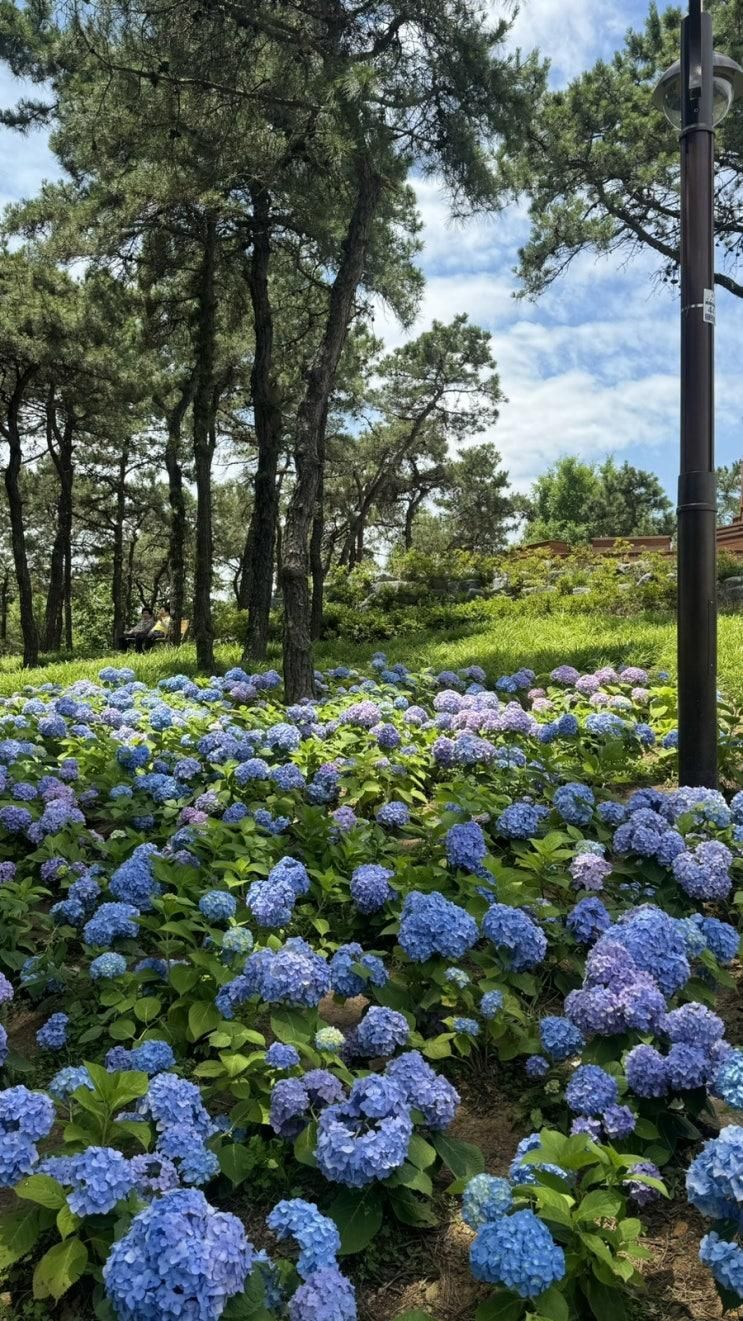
(695,95)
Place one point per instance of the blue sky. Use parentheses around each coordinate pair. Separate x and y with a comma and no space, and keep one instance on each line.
(592,368)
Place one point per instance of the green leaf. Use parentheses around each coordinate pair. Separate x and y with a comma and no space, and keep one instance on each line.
(408,1176)
(438,1048)
(606,1302)
(129,1086)
(184,979)
(236,1162)
(464,1159)
(122,1029)
(358,1215)
(291,1026)
(501,1307)
(414,1316)
(148,1008)
(60,1268)
(42,1189)
(411,1210)
(599,1205)
(553,1305)
(420,1152)
(67,1221)
(304,1146)
(19,1231)
(203,1017)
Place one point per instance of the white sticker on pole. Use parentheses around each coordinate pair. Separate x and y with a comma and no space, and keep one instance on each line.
(708,313)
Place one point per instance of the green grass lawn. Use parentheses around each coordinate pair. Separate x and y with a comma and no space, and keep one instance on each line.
(583,640)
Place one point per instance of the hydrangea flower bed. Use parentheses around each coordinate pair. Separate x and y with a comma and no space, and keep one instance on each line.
(195,878)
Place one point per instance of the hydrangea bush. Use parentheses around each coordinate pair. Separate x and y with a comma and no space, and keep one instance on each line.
(197,879)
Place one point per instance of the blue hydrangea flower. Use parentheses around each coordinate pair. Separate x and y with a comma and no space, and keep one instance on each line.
(18,1156)
(107,966)
(174,1101)
(591,1090)
(272,901)
(53,1034)
(688,1067)
(714,1180)
(560,1038)
(431,924)
(134,882)
(642,1193)
(575,803)
(520,820)
(67,1081)
(100,1177)
(618,1121)
(424,1089)
(725,1261)
(289,1108)
(25,1112)
(517,937)
(484,1199)
(491,1004)
(179,1258)
(729,1080)
(465,846)
(380,1032)
(588,920)
(646,1071)
(325,1296)
(346,980)
(393,815)
(110,922)
(152,1057)
(536,1067)
(366,1137)
(469,1027)
(195,1163)
(279,1056)
(518,1252)
(370,887)
(316,1235)
(722,938)
(218,905)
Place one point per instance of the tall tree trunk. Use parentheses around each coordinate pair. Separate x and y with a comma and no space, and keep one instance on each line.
(4,589)
(59,445)
(203,447)
(299,680)
(68,597)
(118,599)
(317,569)
(17,531)
(414,504)
(177,500)
(259,551)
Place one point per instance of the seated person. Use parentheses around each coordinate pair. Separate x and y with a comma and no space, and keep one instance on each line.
(160,629)
(139,631)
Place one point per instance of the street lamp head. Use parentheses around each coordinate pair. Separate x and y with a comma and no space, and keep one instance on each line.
(727,84)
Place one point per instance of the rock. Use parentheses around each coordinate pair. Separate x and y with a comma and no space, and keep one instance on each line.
(387,584)
(580,591)
(645,578)
(499,582)
(730,582)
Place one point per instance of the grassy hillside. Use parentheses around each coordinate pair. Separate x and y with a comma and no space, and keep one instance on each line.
(583,640)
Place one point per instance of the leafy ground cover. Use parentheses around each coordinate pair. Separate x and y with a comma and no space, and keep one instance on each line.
(403,1002)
